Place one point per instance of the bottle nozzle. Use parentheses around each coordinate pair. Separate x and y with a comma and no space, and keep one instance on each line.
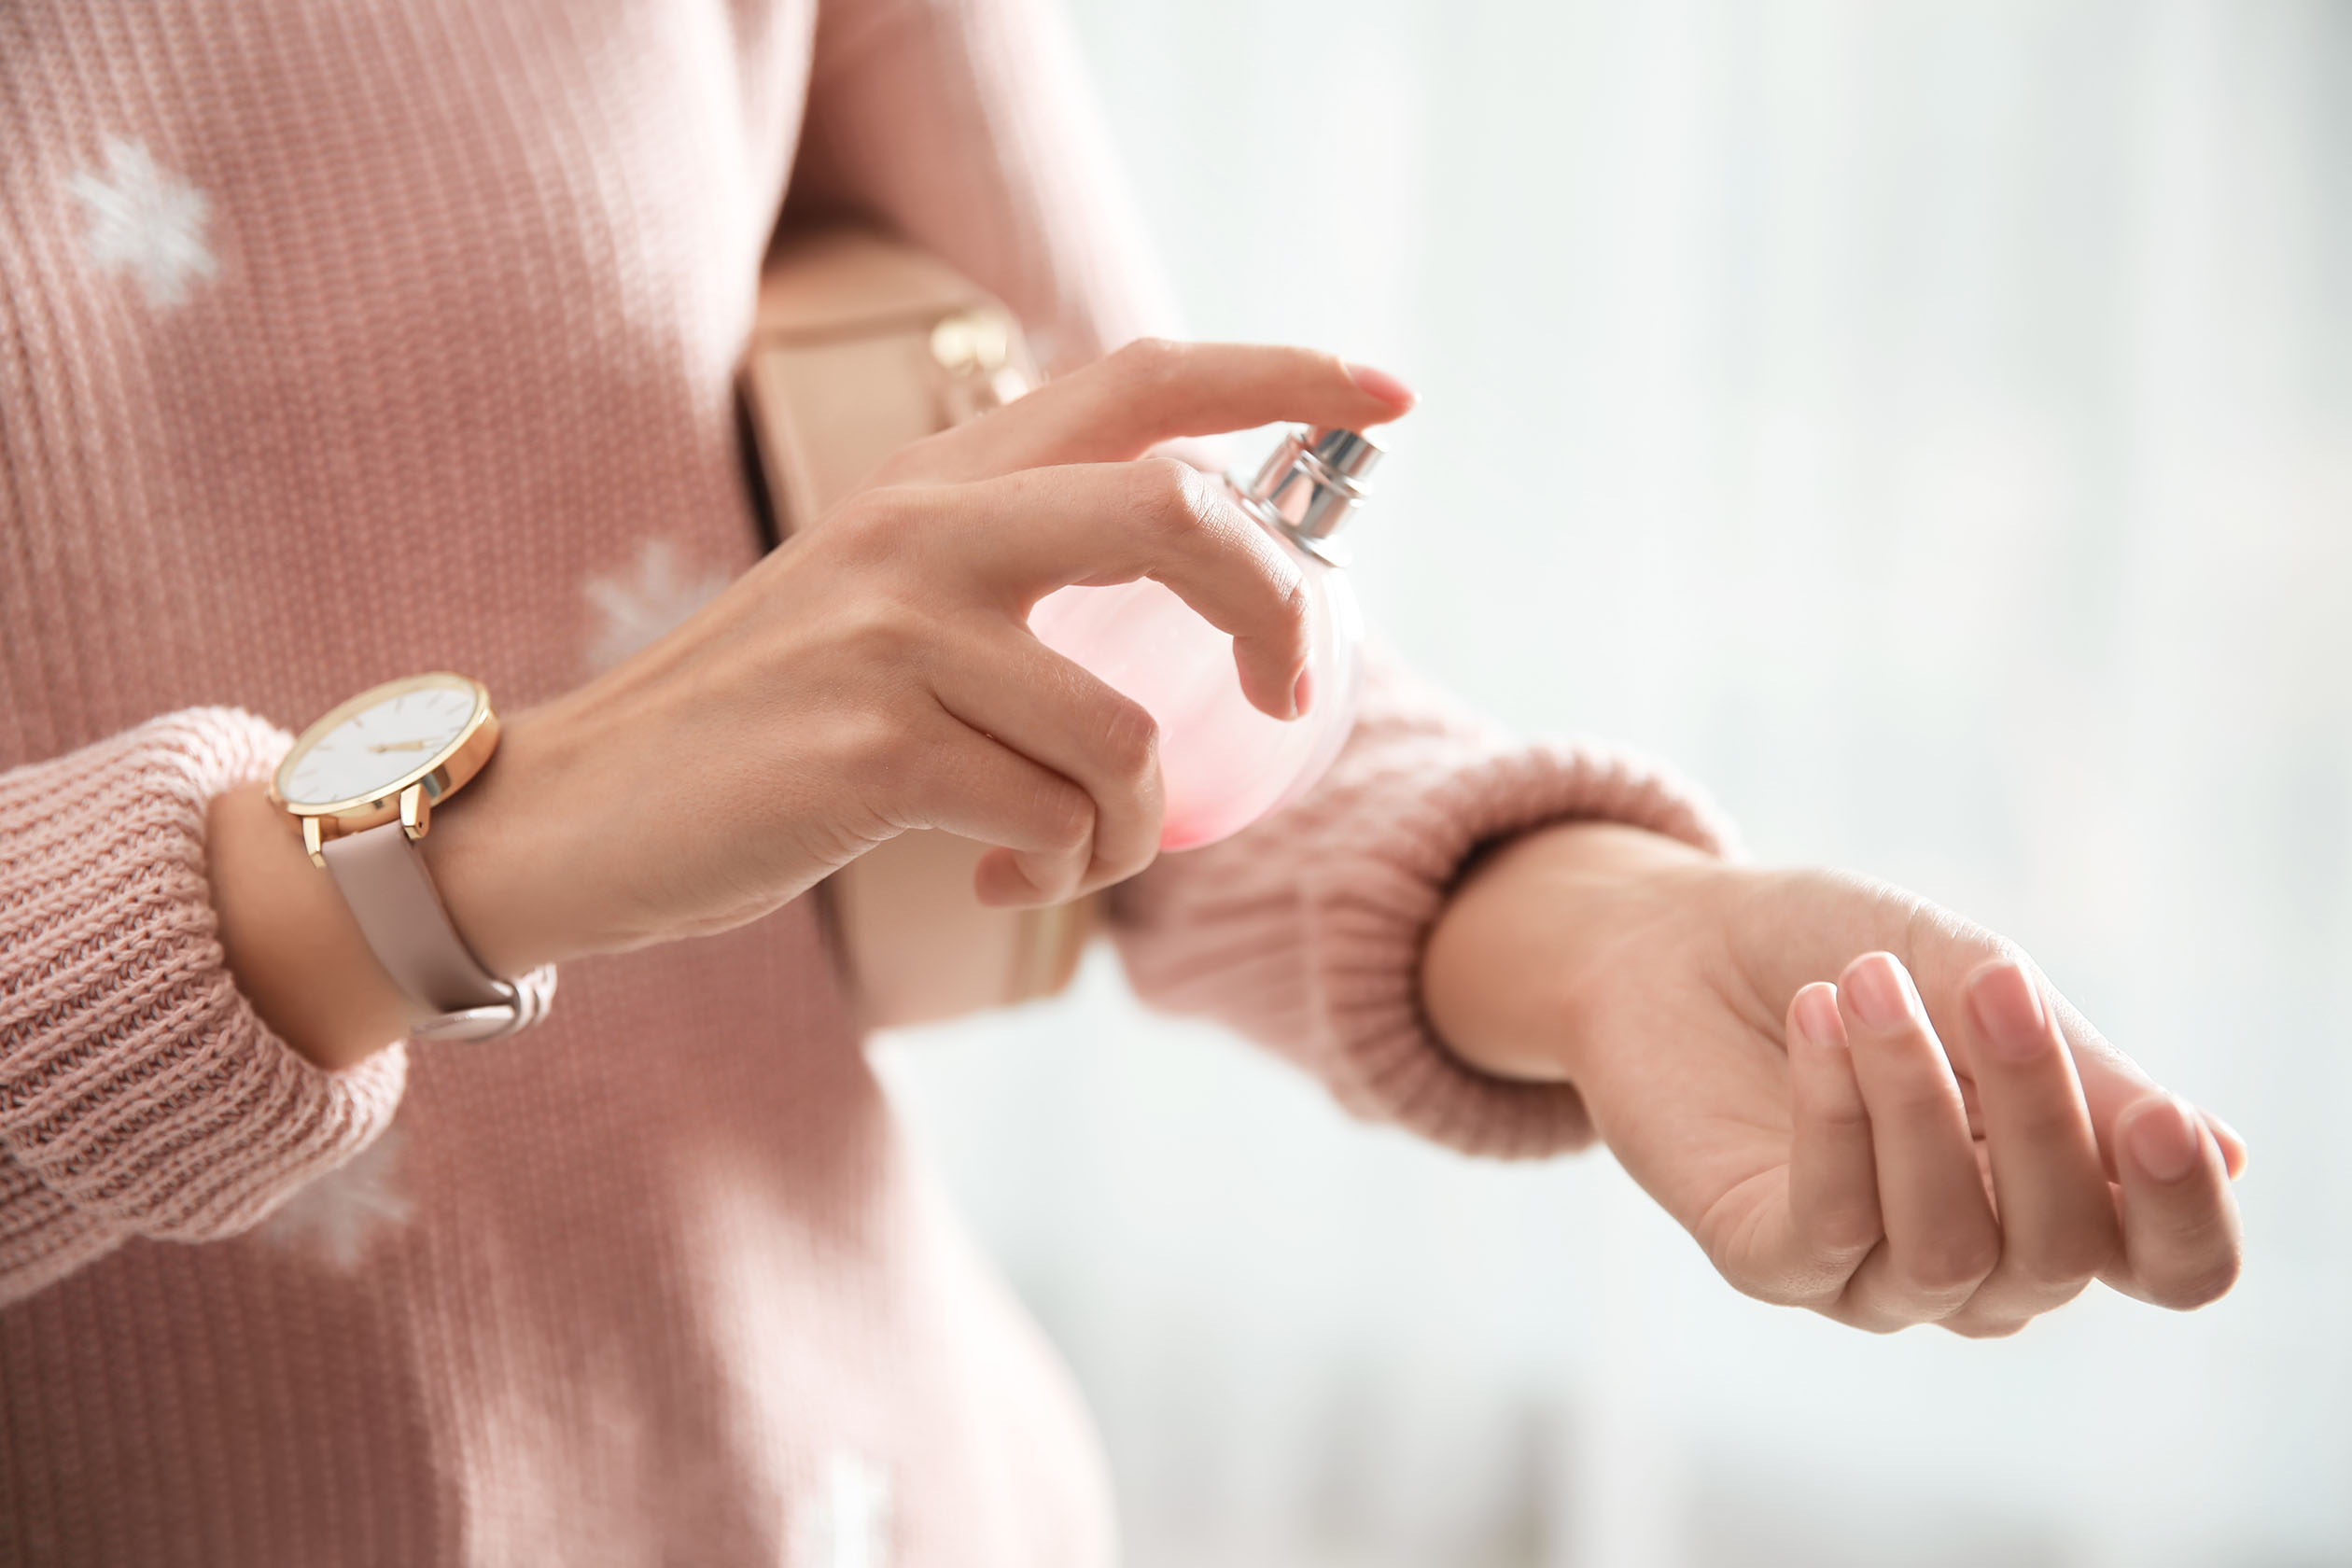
(1311,484)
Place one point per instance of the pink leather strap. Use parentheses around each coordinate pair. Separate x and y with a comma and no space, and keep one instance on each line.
(383,877)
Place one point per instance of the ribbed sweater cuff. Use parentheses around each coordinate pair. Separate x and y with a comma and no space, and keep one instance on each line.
(1307,932)
(1381,885)
(136,1082)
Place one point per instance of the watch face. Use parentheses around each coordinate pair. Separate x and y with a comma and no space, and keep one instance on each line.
(409,727)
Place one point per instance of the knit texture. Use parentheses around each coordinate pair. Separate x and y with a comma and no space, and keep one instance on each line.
(1307,932)
(135,1083)
(344,339)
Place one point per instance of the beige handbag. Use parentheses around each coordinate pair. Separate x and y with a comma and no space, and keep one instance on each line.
(861,345)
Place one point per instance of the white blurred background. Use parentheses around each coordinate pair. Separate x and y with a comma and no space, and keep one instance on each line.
(1930,423)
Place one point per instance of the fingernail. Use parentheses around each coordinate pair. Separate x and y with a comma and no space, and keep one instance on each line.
(2232,1144)
(1027,889)
(1880,992)
(1303,695)
(2164,1140)
(1817,1013)
(1383,386)
(2008,1006)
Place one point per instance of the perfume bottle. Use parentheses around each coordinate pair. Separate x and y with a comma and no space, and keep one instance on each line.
(1223,763)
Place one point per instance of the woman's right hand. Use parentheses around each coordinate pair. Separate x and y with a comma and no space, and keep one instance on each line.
(877,674)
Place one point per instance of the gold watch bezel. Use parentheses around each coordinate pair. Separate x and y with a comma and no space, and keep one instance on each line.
(410,798)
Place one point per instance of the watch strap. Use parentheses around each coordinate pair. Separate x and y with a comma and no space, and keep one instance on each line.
(383,877)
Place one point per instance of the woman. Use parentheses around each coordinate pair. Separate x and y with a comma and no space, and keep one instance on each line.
(340,342)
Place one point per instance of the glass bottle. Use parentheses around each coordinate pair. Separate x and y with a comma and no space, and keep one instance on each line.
(1226,765)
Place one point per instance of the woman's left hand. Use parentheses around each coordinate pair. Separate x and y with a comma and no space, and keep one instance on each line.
(1856,1102)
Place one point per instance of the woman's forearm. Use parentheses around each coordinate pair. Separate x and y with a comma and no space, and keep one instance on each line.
(1526,927)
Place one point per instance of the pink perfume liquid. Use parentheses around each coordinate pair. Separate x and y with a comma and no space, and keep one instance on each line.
(1223,763)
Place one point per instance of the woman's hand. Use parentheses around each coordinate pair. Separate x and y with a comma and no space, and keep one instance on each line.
(877,674)
(1856,1102)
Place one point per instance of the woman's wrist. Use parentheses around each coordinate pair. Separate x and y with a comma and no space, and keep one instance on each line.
(290,941)
(513,893)
(296,950)
(1527,934)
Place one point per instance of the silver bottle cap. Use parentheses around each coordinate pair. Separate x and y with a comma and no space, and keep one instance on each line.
(1311,484)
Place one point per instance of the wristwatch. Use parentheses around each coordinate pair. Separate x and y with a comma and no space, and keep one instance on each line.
(363,783)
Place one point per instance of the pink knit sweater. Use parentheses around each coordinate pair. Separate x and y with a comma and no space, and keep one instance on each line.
(344,338)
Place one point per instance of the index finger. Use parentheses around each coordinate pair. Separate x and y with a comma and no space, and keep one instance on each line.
(1953,949)
(2182,1241)
(1154,390)
(2113,1081)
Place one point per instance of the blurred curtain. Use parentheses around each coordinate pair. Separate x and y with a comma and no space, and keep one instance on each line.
(1931,423)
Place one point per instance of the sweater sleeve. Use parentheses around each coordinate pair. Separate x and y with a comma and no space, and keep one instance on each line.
(1305,931)
(139,1094)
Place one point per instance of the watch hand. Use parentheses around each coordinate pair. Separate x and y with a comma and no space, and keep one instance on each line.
(401,745)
